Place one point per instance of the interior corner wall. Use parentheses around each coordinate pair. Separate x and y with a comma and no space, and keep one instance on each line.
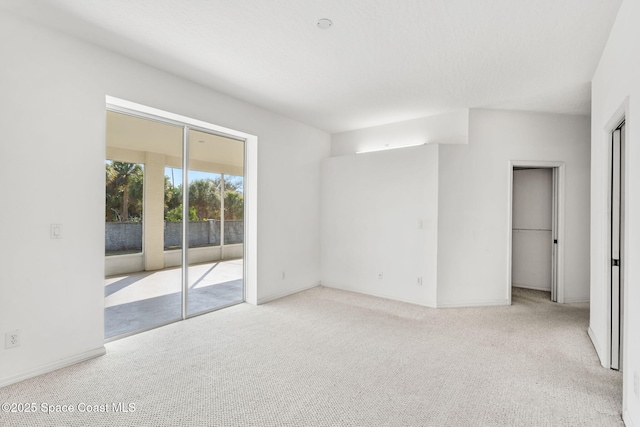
(379,223)
(473,202)
(52,128)
(616,92)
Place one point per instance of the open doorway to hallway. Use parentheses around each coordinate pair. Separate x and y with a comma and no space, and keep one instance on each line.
(536,213)
(174,234)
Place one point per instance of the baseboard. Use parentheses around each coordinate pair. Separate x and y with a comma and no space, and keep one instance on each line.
(50,367)
(430,304)
(626,418)
(576,300)
(531,287)
(286,293)
(596,345)
(488,303)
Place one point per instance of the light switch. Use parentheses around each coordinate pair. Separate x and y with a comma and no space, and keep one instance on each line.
(56,231)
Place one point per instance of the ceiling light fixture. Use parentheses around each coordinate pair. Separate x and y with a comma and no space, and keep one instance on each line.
(324,23)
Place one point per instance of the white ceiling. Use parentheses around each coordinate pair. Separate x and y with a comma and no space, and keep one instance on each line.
(382,60)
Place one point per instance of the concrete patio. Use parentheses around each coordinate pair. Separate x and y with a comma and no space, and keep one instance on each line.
(139,301)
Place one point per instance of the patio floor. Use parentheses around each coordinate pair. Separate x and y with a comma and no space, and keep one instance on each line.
(143,300)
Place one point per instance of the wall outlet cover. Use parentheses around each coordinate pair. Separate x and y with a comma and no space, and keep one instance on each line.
(56,231)
(12,339)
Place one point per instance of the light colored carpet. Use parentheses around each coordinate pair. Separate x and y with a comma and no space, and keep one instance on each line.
(332,358)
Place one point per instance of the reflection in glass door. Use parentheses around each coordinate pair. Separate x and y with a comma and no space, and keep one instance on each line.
(216,222)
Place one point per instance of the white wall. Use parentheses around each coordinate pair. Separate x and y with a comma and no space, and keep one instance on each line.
(52,133)
(379,215)
(531,225)
(616,92)
(448,128)
(473,202)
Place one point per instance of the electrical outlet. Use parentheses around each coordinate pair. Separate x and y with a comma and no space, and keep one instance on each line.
(12,339)
(56,231)
(419,281)
(636,384)
(380,275)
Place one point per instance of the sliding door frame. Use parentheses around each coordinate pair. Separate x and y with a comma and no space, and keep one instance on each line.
(249,191)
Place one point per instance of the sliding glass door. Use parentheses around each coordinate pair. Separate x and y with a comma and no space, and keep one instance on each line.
(142,284)
(216,226)
(174,222)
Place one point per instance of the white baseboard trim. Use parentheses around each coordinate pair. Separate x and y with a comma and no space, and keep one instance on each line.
(596,345)
(488,303)
(531,287)
(576,300)
(626,418)
(430,304)
(286,293)
(50,367)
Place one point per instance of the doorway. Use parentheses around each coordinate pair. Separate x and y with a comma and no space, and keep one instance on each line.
(536,227)
(616,282)
(189,192)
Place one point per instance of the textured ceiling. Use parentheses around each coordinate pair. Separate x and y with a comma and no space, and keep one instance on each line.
(382,60)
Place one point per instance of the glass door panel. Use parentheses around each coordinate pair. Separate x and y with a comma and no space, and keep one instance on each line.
(216,226)
(143,282)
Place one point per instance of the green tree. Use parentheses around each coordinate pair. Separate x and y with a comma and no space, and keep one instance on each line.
(204,197)
(233,198)
(172,196)
(136,182)
(233,205)
(124,172)
(175,214)
(124,182)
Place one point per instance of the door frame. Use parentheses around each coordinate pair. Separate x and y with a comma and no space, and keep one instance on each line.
(558,170)
(603,287)
(622,155)
(614,122)
(250,184)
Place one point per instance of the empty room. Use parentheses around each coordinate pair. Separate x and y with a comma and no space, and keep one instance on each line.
(314,213)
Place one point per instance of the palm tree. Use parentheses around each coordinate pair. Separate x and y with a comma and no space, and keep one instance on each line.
(123,172)
(203,196)
(233,205)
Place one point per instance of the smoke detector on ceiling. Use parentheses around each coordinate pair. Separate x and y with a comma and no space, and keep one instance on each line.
(324,23)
